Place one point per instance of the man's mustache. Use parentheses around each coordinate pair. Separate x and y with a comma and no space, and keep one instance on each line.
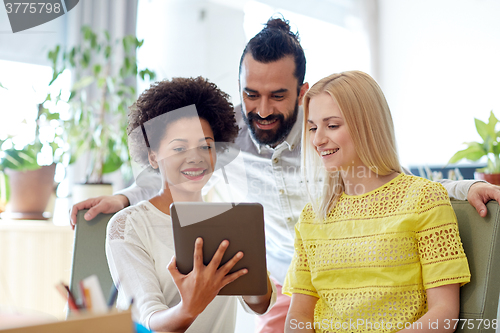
(252,116)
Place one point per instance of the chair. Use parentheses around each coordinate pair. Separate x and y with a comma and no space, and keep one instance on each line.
(89,256)
(479,298)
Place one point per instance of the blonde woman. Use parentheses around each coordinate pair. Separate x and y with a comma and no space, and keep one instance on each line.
(375,250)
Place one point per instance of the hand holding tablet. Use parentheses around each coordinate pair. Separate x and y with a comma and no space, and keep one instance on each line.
(203,283)
(226,231)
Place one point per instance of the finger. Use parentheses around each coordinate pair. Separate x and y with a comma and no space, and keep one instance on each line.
(198,254)
(172,268)
(230,264)
(217,258)
(79,206)
(98,207)
(233,276)
(477,203)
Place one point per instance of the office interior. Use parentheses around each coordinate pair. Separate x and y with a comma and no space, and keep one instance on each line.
(436,61)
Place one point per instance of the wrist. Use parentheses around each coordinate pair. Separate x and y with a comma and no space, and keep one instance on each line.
(187,313)
(123,200)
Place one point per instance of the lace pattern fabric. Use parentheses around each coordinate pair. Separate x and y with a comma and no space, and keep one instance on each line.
(118,223)
(375,254)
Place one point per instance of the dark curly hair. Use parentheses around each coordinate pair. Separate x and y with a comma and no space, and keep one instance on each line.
(275,42)
(212,104)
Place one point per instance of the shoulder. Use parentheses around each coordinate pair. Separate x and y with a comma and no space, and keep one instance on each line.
(426,192)
(126,218)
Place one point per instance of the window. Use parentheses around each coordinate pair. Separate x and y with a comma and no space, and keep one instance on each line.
(20,98)
(329,48)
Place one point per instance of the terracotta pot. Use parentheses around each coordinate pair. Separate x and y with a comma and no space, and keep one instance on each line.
(492,178)
(30,193)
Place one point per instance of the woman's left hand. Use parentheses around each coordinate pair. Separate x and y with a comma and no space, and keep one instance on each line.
(202,284)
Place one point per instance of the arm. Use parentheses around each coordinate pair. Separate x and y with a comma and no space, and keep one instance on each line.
(197,289)
(147,185)
(478,193)
(300,316)
(105,204)
(444,305)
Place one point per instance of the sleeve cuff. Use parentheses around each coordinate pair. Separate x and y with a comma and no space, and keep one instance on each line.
(274,295)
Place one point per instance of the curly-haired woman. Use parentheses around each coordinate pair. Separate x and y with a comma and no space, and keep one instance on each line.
(173,127)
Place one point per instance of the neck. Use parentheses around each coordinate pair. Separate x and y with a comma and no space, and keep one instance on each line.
(358,183)
(169,194)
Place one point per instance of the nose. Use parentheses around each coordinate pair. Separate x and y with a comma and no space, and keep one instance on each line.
(319,138)
(194,155)
(264,109)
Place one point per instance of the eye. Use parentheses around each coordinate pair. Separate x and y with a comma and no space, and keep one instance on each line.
(278,97)
(312,129)
(179,149)
(333,126)
(207,147)
(251,95)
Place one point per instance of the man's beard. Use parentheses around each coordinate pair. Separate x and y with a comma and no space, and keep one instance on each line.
(275,136)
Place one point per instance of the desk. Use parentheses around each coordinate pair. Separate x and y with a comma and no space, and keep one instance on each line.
(34,256)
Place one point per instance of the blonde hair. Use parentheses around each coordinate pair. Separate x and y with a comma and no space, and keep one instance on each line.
(368,119)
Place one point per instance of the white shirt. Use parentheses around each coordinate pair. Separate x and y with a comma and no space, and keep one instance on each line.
(139,247)
(274,180)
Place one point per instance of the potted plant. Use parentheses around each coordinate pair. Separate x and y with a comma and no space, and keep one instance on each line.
(26,179)
(489,147)
(99,101)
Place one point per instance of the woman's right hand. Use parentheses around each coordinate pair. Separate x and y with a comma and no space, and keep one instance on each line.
(202,284)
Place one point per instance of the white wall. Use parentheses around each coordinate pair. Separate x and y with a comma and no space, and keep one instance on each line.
(440,68)
(195,42)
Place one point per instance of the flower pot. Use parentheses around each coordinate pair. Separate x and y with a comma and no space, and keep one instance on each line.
(82,192)
(30,192)
(492,178)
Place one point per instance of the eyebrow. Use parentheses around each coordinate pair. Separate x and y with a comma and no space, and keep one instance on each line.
(279,91)
(184,140)
(324,119)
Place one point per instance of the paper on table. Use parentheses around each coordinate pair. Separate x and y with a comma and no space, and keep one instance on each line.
(97,297)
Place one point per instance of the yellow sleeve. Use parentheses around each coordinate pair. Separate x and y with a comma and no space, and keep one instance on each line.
(441,253)
(298,277)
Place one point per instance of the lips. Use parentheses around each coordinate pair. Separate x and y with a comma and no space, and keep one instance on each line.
(328,152)
(194,174)
(265,124)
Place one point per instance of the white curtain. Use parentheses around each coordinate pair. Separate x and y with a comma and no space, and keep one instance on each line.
(119,18)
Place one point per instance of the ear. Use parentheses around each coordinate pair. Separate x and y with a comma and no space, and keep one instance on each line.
(303,90)
(152,159)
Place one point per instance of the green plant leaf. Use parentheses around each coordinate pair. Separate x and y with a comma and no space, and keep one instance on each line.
(492,123)
(482,128)
(97,69)
(112,163)
(83,83)
(21,160)
(53,116)
(473,152)
(4,188)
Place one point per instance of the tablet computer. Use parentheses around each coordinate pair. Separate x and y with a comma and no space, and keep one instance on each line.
(241,224)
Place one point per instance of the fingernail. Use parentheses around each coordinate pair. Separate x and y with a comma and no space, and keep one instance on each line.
(87,216)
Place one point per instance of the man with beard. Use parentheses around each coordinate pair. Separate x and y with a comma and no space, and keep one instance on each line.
(272,70)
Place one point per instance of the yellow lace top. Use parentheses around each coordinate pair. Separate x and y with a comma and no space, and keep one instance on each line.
(373,258)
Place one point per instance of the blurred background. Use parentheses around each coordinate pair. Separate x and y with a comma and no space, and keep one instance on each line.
(437,62)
